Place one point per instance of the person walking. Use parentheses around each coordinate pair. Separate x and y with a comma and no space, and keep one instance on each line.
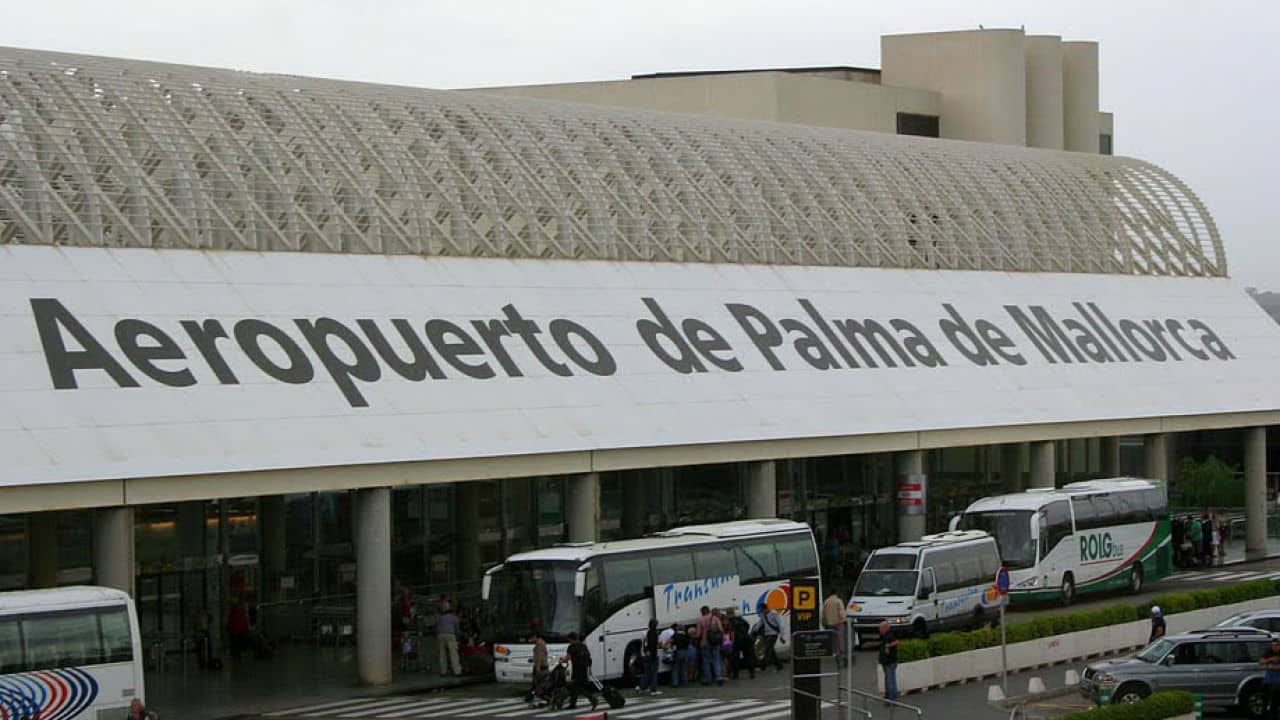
(769,626)
(710,638)
(238,627)
(1158,627)
(447,641)
(1271,678)
(889,660)
(680,646)
(1196,535)
(649,656)
(541,663)
(579,658)
(1206,539)
(833,620)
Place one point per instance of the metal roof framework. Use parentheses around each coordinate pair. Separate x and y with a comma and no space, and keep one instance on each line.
(110,153)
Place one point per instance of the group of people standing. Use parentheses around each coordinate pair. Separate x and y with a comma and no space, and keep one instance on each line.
(720,645)
(1199,541)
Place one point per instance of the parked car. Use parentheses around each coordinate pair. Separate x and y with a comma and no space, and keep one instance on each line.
(1220,664)
(1268,620)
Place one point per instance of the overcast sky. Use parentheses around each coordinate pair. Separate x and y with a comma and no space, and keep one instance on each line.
(1191,83)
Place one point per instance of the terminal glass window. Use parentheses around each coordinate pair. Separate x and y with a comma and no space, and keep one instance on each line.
(13,552)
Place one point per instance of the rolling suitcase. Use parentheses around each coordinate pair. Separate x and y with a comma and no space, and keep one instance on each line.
(610,694)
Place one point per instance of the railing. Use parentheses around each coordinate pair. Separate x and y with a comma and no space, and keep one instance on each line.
(844,704)
(892,705)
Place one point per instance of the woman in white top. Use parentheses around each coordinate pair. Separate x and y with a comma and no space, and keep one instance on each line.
(1216,545)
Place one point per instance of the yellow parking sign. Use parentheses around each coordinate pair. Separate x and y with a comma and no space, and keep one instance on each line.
(804,597)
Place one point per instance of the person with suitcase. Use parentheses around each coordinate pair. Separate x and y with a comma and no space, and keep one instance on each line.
(580,681)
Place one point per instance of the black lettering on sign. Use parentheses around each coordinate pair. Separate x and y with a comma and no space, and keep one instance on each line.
(51,319)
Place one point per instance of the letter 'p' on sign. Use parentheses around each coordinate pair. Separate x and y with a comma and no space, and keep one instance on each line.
(804,597)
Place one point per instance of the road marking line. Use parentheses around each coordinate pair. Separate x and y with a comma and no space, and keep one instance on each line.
(1233,577)
(740,707)
(685,707)
(415,707)
(1196,576)
(490,708)
(777,713)
(332,705)
(371,708)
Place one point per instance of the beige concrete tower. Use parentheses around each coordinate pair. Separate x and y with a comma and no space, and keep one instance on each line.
(980,76)
(1044,91)
(1080,96)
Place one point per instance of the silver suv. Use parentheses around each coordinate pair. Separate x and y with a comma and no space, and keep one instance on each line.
(1268,620)
(1221,664)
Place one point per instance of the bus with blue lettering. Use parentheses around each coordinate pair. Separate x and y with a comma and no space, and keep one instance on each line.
(69,653)
(607,592)
(1083,537)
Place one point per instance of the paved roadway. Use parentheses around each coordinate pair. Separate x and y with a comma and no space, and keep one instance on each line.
(765,698)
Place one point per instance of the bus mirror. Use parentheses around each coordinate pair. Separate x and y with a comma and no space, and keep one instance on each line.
(579,584)
(955,523)
(485,583)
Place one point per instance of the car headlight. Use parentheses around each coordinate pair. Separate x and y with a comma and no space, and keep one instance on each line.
(1029,582)
(898,620)
(1104,678)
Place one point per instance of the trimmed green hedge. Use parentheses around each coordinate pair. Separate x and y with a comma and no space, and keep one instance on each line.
(950,643)
(1157,707)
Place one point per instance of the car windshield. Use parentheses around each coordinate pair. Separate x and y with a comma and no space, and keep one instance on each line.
(886,582)
(529,596)
(1012,531)
(1237,620)
(1154,651)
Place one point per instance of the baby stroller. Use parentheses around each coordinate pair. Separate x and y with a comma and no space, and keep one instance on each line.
(409,651)
(552,689)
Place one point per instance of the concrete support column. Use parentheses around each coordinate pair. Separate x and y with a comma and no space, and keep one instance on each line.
(1255,492)
(762,489)
(42,549)
(635,503)
(1111,456)
(467,531)
(909,469)
(271,521)
(1043,464)
(582,507)
(1011,467)
(113,564)
(373,585)
(1156,454)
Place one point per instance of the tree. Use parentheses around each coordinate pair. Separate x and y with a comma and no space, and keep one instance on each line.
(1211,483)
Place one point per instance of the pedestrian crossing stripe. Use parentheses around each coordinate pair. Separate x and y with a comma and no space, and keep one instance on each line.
(506,708)
(1225,576)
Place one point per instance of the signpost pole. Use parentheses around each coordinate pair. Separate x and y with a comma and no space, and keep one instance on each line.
(806,680)
(1002,587)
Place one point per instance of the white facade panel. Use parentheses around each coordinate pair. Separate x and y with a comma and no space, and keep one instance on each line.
(234,415)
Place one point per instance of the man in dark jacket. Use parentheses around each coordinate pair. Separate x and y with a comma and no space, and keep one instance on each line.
(744,655)
(649,655)
(580,678)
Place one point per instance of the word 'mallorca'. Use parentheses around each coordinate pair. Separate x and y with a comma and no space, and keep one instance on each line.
(346,355)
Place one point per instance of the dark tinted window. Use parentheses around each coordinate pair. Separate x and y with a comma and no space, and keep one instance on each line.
(1056,522)
(10,647)
(1104,511)
(626,580)
(1131,507)
(1157,504)
(916,124)
(1104,143)
(714,562)
(945,573)
(797,557)
(756,562)
(63,640)
(671,567)
(891,561)
(990,561)
(1085,517)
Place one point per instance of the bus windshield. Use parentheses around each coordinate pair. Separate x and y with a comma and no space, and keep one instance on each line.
(529,596)
(883,583)
(1012,531)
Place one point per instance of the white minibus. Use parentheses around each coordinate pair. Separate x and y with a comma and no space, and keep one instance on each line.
(608,591)
(941,582)
(71,653)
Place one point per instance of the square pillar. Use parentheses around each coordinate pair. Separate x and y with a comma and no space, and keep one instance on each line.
(912,494)
(1011,467)
(1255,492)
(42,549)
(1156,456)
(1111,456)
(373,585)
(1043,464)
(762,490)
(467,531)
(582,507)
(113,549)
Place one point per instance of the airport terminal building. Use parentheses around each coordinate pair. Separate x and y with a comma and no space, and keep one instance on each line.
(288,338)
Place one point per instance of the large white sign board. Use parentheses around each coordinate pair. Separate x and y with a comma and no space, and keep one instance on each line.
(132,363)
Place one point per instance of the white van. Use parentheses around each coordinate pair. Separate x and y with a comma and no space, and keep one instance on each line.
(942,582)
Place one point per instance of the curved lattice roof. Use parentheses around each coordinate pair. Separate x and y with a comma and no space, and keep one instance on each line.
(107,152)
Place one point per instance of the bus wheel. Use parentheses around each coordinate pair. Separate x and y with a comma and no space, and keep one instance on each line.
(920,628)
(1068,589)
(632,670)
(1135,579)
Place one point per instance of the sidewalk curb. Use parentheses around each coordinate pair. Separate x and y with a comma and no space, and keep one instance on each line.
(1016,700)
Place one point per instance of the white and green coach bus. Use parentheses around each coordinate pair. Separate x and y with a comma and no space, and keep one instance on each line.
(1083,537)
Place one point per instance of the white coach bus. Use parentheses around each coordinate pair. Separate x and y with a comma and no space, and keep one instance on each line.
(607,592)
(70,653)
(1083,537)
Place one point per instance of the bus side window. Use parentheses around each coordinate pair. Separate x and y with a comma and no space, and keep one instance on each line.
(797,557)
(10,648)
(1157,505)
(1082,507)
(1057,525)
(756,562)
(626,580)
(117,644)
(593,609)
(62,640)
(990,563)
(672,567)
(1104,511)
(714,562)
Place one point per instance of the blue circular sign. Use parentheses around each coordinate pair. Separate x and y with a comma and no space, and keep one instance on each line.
(1002,581)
